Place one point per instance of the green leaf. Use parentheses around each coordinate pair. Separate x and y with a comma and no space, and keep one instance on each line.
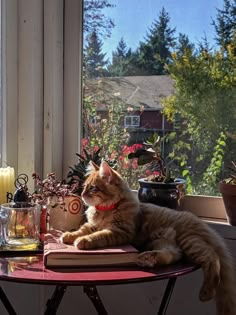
(183,163)
(222,143)
(185,172)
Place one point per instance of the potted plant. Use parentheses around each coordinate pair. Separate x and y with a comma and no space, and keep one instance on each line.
(158,187)
(60,206)
(228,192)
(77,173)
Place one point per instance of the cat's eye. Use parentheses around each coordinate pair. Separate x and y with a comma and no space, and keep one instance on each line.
(94,189)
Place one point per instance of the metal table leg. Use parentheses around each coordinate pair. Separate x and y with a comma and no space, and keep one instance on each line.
(6,303)
(92,293)
(53,303)
(166,297)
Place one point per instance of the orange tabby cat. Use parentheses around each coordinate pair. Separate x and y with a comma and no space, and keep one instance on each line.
(112,214)
(115,216)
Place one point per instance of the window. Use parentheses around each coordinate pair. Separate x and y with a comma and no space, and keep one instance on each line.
(132,121)
(42,86)
(93,120)
(181,68)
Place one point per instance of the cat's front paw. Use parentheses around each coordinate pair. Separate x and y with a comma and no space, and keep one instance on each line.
(84,242)
(146,259)
(68,238)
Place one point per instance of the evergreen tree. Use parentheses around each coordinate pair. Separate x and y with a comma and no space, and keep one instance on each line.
(155,52)
(120,60)
(225,24)
(121,50)
(183,45)
(95,19)
(94,59)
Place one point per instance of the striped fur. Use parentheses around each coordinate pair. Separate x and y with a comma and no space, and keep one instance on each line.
(175,233)
(165,235)
(103,228)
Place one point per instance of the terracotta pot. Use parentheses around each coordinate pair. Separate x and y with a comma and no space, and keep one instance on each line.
(228,192)
(162,194)
(66,218)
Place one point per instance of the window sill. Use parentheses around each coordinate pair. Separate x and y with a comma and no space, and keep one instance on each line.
(209,207)
(211,210)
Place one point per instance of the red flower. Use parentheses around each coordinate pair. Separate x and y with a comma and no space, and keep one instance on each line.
(126,150)
(84,142)
(96,148)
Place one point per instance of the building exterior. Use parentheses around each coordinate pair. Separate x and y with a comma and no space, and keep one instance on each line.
(142,96)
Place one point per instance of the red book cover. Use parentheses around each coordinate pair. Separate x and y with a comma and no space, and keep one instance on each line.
(57,254)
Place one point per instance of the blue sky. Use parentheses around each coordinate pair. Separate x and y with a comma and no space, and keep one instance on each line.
(133,18)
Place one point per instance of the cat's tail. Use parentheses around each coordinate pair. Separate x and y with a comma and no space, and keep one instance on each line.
(226,291)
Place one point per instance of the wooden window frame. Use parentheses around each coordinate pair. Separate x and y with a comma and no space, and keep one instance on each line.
(41,85)
(41,101)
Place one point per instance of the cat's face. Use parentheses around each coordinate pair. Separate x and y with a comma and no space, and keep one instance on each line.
(102,187)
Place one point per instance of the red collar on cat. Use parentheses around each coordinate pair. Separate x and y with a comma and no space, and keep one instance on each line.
(106,208)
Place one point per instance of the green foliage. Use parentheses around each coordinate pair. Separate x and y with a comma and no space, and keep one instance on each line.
(155,52)
(121,59)
(225,24)
(152,54)
(205,96)
(211,175)
(78,172)
(202,175)
(183,45)
(179,156)
(105,129)
(95,19)
(151,155)
(94,59)
(204,83)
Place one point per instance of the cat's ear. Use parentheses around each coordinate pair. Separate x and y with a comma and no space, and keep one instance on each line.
(92,167)
(105,172)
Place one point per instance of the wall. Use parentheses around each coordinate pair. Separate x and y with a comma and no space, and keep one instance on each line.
(152,119)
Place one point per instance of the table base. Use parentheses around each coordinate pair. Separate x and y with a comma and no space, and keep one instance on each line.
(6,303)
(92,293)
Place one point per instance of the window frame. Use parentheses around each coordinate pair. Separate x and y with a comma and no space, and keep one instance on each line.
(132,117)
(41,85)
(46,82)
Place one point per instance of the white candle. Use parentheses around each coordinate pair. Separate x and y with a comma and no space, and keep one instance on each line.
(7,182)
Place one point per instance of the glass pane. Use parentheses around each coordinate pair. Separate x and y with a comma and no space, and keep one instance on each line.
(162,60)
(128,121)
(135,121)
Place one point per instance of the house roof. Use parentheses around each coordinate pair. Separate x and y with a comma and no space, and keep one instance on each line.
(146,91)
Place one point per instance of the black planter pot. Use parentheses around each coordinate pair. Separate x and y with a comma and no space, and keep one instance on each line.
(162,194)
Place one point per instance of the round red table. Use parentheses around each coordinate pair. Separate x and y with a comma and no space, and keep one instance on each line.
(30,269)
